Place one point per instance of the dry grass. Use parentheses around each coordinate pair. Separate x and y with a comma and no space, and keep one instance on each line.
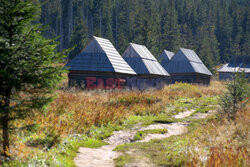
(76,111)
(223,142)
(210,142)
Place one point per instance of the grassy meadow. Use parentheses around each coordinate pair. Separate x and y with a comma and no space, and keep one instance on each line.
(79,118)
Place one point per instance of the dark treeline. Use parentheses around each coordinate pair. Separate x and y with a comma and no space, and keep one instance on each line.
(215,29)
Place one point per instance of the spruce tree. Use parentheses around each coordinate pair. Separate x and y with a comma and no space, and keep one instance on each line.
(171,38)
(245,46)
(30,67)
(122,37)
(203,49)
(207,46)
(235,98)
(79,37)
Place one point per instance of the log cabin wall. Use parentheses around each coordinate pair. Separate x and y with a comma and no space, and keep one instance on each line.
(190,78)
(79,78)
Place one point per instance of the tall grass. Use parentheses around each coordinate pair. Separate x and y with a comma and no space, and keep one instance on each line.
(76,112)
(222,143)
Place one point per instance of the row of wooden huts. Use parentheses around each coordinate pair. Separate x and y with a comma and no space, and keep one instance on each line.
(100,63)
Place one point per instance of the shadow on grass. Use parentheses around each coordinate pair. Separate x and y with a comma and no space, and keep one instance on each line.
(163,121)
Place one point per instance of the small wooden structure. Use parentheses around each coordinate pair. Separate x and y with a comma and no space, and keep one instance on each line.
(143,62)
(236,64)
(186,66)
(98,64)
(149,71)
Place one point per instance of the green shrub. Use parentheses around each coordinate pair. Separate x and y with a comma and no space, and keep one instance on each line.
(46,141)
(233,100)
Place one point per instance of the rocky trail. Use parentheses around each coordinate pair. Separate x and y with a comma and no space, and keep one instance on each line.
(104,156)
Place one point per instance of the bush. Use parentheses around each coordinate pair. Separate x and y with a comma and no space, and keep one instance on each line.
(236,96)
(46,141)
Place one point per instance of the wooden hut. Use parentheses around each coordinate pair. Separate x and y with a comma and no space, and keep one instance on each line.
(165,57)
(236,64)
(144,63)
(186,66)
(98,64)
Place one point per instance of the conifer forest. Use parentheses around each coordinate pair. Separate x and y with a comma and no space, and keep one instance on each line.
(215,29)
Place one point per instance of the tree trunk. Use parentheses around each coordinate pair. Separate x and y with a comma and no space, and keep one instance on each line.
(83,12)
(61,34)
(91,25)
(5,125)
(100,22)
(57,26)
(69,23)
(116,25)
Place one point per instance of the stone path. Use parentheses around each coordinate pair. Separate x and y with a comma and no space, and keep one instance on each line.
(103,156)
(100,157)
(173,129)
(202,115)
(184,114)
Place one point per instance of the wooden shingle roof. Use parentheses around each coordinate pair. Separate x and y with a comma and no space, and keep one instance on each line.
(165,57)
(186,61)
(142,61)
(100,55)
(237,63)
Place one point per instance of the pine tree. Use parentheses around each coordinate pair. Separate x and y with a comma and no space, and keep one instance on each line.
(153,32)
(203,49)
(139,27)
(236,30)
(234,99)
(207,46)
(30,68)
(224,33)
(122,38)
(214,45)
(107,20)
(171,38)
(245,41)
(79,37)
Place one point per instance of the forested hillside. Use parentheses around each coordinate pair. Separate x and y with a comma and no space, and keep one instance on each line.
(215,29)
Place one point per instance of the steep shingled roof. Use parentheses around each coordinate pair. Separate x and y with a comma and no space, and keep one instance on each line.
(237,63)
(165,58)
(100,55)
(142,61)
(186,61)
(166,55)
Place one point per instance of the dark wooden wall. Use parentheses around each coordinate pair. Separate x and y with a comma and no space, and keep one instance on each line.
(190,78)
(80,78)
(229,75)
(132,81)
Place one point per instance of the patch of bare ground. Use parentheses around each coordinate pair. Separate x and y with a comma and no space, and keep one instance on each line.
(98,157)
(173,129)
(202,115)
(103,156)
(184,114)
(140,163)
